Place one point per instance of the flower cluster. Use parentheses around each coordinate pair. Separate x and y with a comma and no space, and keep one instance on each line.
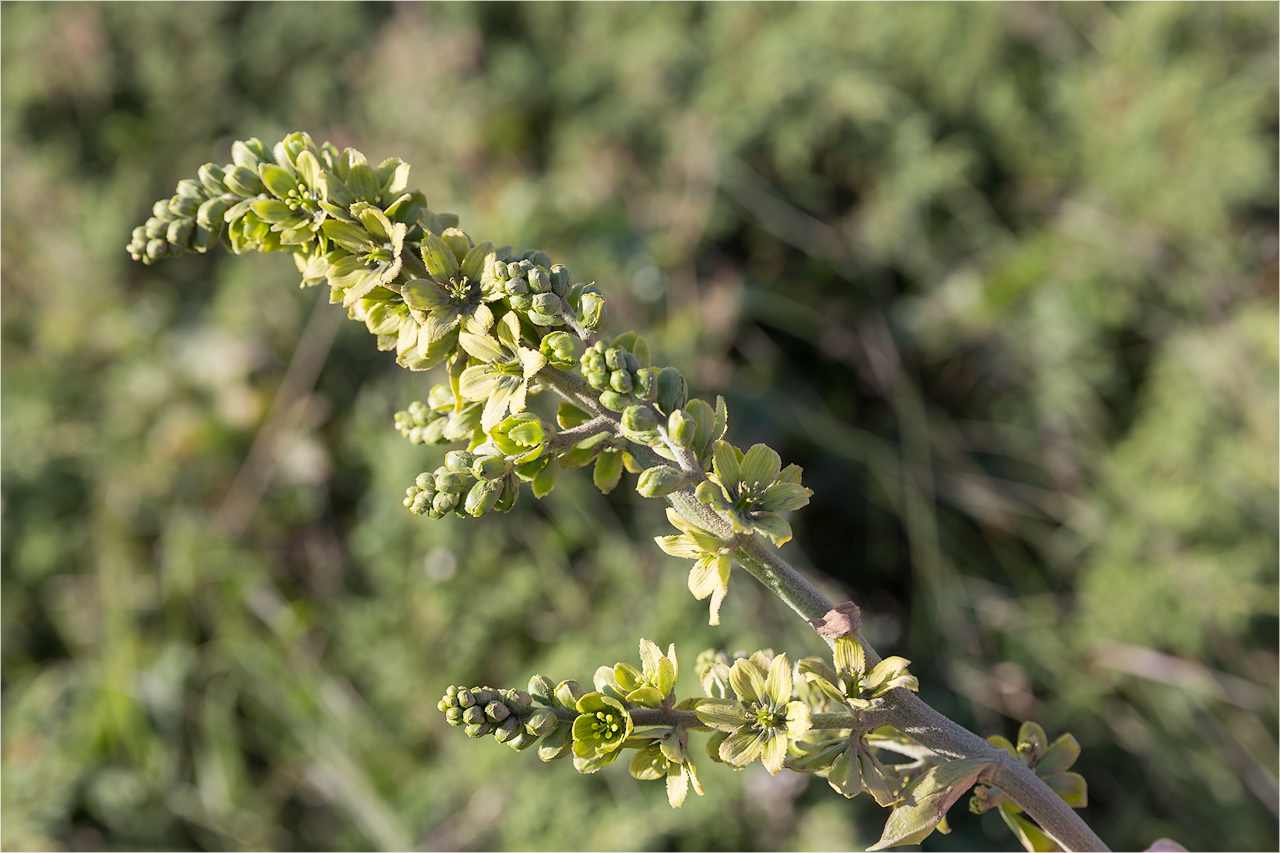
(508,715)
(763,721)
(751,488)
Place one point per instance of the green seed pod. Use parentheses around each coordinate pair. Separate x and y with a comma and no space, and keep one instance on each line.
(682,428)
(659,481)
(673,392)
(613,401)
(638,419)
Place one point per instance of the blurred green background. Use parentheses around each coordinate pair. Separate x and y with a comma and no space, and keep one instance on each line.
(1002,278)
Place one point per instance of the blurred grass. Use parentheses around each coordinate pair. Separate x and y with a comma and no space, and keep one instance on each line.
(1002,278)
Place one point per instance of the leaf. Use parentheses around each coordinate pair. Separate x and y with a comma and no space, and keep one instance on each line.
(1032,838)
(928,800)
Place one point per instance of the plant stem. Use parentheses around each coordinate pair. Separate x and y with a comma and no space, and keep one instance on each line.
(903,709)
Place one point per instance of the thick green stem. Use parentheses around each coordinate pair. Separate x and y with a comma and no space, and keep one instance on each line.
(903,709)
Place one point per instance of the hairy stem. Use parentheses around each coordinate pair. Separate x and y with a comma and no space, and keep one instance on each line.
(902,709)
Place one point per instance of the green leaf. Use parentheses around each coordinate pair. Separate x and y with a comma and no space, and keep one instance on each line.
(927,801)
(608,472)
(1032,837)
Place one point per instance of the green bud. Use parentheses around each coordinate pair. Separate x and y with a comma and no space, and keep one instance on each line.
(673,392)
(539,281)
(459,461)
(591,313)
(538,258)
(620,381)
(478,729)
(465,698)
(561,349)
(243,181)
(473,715)
(211,179)
(613,401)
(211,212)
(184,206)
(496,711)
(454,716)
(568,693)
(508,730)
(682,428)
(541,688)
(521,302)
(646,384)
(450,481)
(517,287)
(638,419)
(548,304)
(443,502)
(489,467)
(483,497)
(560,282)
(180,232)
(540,722)
(659,481)
(191,189)
(160,210)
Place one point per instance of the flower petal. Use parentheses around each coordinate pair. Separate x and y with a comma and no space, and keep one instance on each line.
(438,257)
(726,463)
(774,752)
(747,681)
(741,748)
(777,687)
(760,465)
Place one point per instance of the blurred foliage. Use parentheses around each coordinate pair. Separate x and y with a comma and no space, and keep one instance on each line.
(1001,277)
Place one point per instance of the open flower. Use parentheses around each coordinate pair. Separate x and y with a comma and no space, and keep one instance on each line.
(503,375)
(749,489)
(763,720)
(451,299)
(668,756)
(711,561)
(602,725)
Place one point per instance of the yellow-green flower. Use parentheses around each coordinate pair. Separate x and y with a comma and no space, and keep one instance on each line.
(602,725)
(763,720)
(504,371)
(749,489)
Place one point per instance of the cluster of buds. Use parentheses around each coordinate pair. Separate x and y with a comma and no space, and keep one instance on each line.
(438,420)
(466,484)
(545,293)
(509,715)
(620,371)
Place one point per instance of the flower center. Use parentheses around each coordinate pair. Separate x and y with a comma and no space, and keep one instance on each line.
(606,725)
(767,715)
(302,198)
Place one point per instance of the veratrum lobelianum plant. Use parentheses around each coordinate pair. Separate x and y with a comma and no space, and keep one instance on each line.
(502,326)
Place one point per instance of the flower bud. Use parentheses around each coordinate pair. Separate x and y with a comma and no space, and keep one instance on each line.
(211,179)
(646,384)
(449,481)
(673,392)
(190,188)
(184,206)
(496,711)
(517,287)
(473,715)
(638,419)
(659,481)
(180,232)
(682,428)
(591,311)
(443,502)
(540,722)
(489,467)
(539,281)
(613,401)
(458,461)
(560,282)
(548,304)
(483,497)
(508,730)
(561,349)
(243,181)
(620,381)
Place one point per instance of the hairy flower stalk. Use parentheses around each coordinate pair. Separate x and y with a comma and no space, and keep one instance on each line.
(501,328)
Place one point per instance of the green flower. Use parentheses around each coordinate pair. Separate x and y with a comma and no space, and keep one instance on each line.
(711,561)
(601,727)
(749,489)
(651,687)
(763,720)
(502,378)
(667,756)
(451,298)
(372,256)
(299,187)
